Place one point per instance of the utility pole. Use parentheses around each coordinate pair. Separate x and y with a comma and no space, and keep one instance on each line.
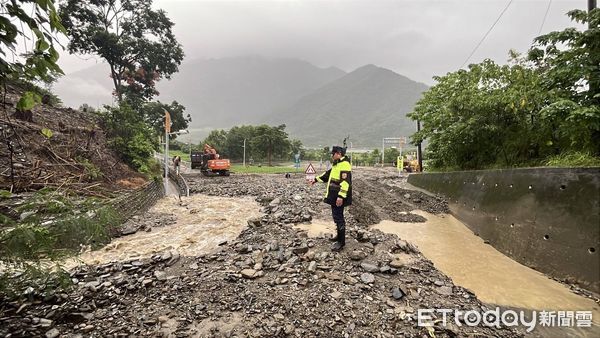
(190,146)
(382,151)
(167,131)
(419,151)
(244,161)
(594,78)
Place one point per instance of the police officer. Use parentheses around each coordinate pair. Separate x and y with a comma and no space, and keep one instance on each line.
(339,191)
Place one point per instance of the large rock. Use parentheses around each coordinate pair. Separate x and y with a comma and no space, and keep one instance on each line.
(248,273)
(300,250)
(367,278)
(53,333)
(275,202)
(369,267)
(255,221)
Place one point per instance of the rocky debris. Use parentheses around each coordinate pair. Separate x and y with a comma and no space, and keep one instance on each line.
(271,281)
(397,293)
(367,278)
(369,267)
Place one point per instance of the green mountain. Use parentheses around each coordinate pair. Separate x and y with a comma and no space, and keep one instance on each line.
(367,104)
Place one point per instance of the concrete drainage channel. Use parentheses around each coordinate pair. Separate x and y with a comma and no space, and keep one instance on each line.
(545,218)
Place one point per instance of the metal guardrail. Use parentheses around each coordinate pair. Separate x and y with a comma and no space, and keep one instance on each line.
(182,185)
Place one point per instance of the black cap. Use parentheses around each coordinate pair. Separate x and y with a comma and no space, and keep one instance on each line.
(338,149)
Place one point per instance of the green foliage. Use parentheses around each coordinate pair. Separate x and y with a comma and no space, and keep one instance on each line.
(130,136)
(33,88)
(390,155)
(23,278)
(28,101)
(40,19)
(154,115)
(54,226)
(92,172)
(572,75)
(28,20)
(47,133)
(263,142)
(517,114)
(573,159)
(136,41)
(218,139)
(270,141)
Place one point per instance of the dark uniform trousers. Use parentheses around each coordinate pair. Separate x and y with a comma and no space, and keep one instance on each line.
(340,223)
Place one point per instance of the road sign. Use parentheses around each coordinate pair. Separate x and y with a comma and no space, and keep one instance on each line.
(310,172)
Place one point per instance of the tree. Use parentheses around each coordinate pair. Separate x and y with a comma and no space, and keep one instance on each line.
(296,148)
(136,41)
(271,141)
(482,116)
(570,60)
(39,60)
(391,155)
(521,113)
(218,140)
(130,136)
(235,141)
(154,115)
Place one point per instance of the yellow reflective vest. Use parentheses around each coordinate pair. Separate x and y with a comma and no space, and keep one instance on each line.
(339,182)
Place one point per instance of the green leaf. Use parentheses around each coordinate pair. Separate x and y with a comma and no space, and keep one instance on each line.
(41,45)
(5,194)
(28,101)
(47,132)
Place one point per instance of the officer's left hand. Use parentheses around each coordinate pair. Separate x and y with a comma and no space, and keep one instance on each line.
(339,202)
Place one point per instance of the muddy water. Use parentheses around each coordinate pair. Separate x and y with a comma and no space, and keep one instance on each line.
(202,223)
(492,276)
(318,228)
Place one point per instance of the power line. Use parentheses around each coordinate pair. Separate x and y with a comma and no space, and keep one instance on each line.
(487,33)
(545,16)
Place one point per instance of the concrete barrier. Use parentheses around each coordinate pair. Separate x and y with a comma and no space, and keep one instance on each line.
(545,218)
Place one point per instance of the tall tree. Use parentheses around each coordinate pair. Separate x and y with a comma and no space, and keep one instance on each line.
(570,60)
(218,140)
(271,141)
(136,41)
(154,115)
(235,141)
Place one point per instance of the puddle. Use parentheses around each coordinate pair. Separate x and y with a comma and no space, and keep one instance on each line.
(202,223)
(318,228)
(492,276)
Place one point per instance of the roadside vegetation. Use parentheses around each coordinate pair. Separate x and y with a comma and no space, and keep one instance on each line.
(40,227)
(51,226)
(541,109)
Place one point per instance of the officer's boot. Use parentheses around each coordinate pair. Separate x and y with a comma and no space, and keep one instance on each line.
(341,239)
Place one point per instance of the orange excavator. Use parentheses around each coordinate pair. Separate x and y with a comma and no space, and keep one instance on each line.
(209,162)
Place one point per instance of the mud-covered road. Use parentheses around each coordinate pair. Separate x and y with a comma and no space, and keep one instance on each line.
(272,280)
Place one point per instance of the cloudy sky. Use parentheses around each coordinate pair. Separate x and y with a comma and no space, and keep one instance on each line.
(419,38)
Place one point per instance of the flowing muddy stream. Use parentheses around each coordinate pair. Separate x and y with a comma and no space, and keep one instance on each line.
(492,276)
(202,223)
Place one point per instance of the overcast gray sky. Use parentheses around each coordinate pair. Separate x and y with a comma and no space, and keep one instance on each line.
(418,39)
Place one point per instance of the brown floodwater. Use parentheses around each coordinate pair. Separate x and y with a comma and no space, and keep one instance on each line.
(202,223)
(495,278)
(318,228)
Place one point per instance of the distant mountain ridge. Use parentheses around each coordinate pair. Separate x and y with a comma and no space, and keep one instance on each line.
(232,91)
(367,104)
(320,106)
